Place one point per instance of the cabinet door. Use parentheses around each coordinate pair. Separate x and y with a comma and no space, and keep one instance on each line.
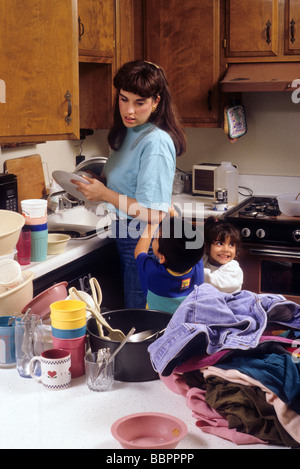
(96,27)
(38,67)
(251,28)
(292,27)
(183,38)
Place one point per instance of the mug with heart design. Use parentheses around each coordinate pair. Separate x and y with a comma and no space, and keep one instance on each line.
(55,369)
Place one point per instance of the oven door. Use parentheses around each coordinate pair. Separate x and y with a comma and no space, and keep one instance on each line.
(269,269)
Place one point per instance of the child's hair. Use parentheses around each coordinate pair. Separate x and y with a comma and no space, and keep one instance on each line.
(180,242)
(216,229)
(148,81)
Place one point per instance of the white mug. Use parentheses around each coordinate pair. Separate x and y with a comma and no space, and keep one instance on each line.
(55,369)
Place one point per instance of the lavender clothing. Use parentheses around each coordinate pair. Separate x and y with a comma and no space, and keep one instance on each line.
(209,321)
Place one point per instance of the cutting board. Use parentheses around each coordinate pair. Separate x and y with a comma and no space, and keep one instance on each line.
(30,174)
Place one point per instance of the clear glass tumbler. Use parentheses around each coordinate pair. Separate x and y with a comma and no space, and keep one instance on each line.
(99,372)
(28,342)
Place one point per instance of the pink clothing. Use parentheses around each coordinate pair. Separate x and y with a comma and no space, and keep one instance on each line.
(207,418)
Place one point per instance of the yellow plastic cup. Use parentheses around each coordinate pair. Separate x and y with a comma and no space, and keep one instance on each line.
(68,310)
(68,324)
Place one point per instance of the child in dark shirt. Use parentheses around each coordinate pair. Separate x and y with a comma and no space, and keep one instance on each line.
(168,279)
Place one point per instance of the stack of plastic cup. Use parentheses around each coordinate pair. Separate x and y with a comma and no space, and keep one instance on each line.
(35,213)
(68,321)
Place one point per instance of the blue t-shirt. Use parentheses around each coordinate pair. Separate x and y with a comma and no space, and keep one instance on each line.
(144,167)
(165,290)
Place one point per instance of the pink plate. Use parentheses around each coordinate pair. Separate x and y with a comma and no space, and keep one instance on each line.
(149,430)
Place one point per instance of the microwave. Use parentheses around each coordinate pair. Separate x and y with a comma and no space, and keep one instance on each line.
(8,192)
(204,180)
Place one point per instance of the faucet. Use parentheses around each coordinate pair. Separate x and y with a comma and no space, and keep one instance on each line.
(60,200)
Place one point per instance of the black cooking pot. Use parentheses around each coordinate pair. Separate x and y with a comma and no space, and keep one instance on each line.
(132,363)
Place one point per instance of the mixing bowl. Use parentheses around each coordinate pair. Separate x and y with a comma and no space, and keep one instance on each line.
(11,224)
(289,204)
(14,300)
(149,430)
(40,304)
(132,363)
(57,243)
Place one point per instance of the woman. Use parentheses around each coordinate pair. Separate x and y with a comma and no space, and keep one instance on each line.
(145,138)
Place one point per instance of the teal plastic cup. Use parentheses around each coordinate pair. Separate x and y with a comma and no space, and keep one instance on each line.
(39,245)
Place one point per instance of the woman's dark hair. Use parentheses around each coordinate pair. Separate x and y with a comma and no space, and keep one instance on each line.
(216,229)
(148,81)
(180,242)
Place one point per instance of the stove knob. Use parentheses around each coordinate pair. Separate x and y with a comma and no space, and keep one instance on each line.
(296,236)
(245,232)
(260,233)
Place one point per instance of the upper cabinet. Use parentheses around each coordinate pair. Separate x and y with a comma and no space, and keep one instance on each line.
(262,30)
(96,42)
(96,29)
(39,95)
(183,37)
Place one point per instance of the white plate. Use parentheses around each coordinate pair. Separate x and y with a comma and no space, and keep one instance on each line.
(63,178)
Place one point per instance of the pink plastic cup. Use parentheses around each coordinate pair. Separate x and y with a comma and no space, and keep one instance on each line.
(77,349)
(24,247)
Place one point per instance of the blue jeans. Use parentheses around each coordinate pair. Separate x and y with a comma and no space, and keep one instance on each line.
(126,234)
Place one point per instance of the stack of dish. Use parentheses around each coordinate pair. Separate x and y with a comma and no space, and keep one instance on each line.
(68,321)
(35,213)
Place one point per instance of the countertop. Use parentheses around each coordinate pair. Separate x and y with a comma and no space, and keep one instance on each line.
(77,418)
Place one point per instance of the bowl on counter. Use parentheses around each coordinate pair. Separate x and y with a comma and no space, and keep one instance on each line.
(289,204)
(40,304)
(11,224)
(13,301)
(149,430)
(132,363)
(57,243)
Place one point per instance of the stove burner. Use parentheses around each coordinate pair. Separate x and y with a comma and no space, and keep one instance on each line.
(261,209)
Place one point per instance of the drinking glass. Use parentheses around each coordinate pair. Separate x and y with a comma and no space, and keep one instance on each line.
(28,342)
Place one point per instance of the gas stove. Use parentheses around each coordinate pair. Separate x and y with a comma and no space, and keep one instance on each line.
(260,221)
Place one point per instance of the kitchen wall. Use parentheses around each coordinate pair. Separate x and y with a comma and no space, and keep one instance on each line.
(270,147)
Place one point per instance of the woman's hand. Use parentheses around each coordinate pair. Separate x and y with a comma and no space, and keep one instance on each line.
(94,191)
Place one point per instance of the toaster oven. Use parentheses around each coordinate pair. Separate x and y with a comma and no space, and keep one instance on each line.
(204,180)
(8,192)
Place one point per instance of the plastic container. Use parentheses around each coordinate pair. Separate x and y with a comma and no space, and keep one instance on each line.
(18,297)
(34,208)
(76,347)
(39,245)
(10,274)
(227,178)
(69,333)
(7,343)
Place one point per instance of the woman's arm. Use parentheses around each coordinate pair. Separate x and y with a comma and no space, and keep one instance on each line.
(96,191)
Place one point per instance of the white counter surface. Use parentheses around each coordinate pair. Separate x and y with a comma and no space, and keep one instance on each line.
(77,418)
(76,248)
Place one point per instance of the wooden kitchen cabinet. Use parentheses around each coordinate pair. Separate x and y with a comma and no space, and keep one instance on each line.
(292,27)
(262,30)
(96,28)
(39,98)
(184,38)
(96,39)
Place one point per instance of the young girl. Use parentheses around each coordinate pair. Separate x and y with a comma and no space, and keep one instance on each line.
(145,137)
(221,245)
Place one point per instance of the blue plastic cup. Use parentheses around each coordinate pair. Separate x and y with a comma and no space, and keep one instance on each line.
(7,343)
(39,243)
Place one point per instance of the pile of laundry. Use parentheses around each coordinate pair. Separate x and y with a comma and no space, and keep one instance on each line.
(236,360)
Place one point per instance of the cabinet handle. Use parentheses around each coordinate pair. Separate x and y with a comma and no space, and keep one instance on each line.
(292,23)
(68,97)
(81,28)
(268,24)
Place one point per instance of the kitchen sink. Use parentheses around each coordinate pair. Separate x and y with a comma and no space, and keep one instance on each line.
(79,220)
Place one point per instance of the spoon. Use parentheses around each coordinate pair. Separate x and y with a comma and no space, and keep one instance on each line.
(113,334)
(145,335)
(125,339)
